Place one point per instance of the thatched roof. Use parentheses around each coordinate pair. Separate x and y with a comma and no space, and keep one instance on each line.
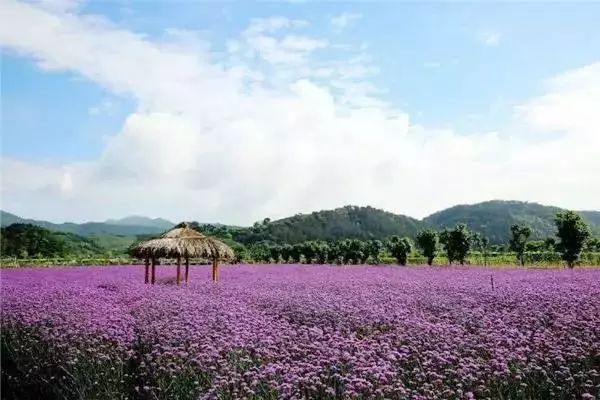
(183,241)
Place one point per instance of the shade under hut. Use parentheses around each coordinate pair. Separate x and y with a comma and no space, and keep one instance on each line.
(182,242)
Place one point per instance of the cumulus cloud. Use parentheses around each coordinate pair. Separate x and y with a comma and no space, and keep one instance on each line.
(214,139)
(569,105)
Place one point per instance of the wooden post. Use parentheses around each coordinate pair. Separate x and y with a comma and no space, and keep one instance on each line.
(187,270)
(178,270)
(215,270)
(147,271)
(153,271)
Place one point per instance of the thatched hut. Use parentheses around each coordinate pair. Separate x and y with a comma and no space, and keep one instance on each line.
(181,242)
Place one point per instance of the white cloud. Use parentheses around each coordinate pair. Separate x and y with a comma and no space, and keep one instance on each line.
(215,140)
(58,5)
(344,20)
(490,39)
(570,105)
(264,38)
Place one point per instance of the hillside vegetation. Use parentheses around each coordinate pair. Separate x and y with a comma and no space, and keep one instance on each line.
(491,219)
(25,240)
(348,222)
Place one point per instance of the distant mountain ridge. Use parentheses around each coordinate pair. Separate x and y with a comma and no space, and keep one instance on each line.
(491,218)
(143,225)
(137,220)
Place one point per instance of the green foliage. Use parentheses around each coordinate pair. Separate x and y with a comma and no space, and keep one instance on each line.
(518,241)
(456,243)
(336,236)
(427,241)
(592,244)
(480,243)
(399,248)
(25,240)
(539,245)
(350,222)
(493,219)
(572,233)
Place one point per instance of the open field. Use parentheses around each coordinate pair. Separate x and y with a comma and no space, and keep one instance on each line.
(541,259)
(293,332)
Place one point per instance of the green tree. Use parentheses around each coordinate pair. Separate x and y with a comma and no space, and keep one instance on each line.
(535,246)
(592,244)
(456,243)
(399,248)
(25,240)
(550,243)
(427,241)
(485,242)
(373,251)
(480,242)
(572,234)
(276,253)
(518,241)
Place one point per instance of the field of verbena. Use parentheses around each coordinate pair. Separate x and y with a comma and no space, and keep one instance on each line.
(532,259)
(300,332)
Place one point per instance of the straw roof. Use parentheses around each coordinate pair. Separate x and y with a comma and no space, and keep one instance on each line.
(183,241)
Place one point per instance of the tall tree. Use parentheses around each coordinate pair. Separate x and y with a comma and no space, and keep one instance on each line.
(518,241)
(572,234)
(485,242)
(427,241)
(456,243)
(373,250)
(480,242)
(399,248)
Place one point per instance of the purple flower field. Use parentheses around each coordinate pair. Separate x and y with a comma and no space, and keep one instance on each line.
(301,332)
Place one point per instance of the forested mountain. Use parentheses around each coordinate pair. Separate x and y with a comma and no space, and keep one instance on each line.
(494,218)
(592,218)
(348,222)
(25,240)
(491,218)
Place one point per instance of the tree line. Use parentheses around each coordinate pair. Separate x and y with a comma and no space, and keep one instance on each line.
(26,240)
(572,237)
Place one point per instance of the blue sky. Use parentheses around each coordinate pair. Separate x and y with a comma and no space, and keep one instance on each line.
(467,70)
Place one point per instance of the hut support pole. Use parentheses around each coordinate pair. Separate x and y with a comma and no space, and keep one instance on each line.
(147,271)
(153,271)
(215,270)
(178,270)
(187,270)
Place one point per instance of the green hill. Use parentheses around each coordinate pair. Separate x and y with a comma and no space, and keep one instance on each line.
(491,218)
(113,236)
(341,223)
(26,240)
(494,218)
